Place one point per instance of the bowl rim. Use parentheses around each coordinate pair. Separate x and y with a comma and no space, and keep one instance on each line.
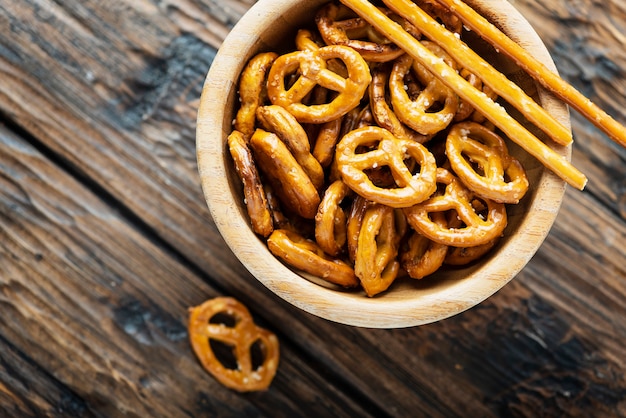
(390,311)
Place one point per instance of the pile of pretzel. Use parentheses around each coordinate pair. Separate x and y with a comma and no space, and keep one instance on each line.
(376,149)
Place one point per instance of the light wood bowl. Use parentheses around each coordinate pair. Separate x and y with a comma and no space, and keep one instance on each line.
(270,25)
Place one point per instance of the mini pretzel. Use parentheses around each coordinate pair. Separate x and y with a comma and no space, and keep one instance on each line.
(386,150)
(330,221)
(252,91)
(376,263)
(312,70)
(479,228)
(289,181)
(254,194)
(338,25)
(242,337)
(422,256)
(306,255)
(277,120)
(501,177)
(354,222)
(326,140)
(385,117)
(435,106)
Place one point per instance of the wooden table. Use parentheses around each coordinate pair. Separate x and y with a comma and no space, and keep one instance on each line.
(105,241)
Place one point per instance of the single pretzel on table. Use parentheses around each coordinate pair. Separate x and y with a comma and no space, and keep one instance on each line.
(384,149)
(312,70)
(478,228)
(306,255)
(480,158)
(242,337)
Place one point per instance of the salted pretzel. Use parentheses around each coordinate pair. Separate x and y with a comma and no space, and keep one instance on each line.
(306,255)
(479,227)
(435,106)
(252,91)
(242,337)
(480,158)
(312,70)
(338,25)
(330,220)
(376,263)
(384,115)
(278,120)
(289,181)
(384,149)
(253,191)
(421,256)
(353,224)
(326,140)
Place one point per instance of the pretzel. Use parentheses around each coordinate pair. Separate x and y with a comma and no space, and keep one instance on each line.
(353,224)
(326,140)
(252,91)
(289,181)
(312,70)
(376,263)
(494,112)
(383,114)
(254,194)
(434,107)
(537,70)
(479,228)
(330,220)
(421,256)
(338,25)
(306,255)
(386,150)
(277,120)
(242,337)
(471,146)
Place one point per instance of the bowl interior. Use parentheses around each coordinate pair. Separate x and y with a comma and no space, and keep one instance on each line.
(270,25)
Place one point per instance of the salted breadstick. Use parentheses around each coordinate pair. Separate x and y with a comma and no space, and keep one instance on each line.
(495,113)
(469,59)
(537,70)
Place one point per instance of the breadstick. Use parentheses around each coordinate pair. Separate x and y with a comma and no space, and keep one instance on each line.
(537,70)
(469,59)
(495,113)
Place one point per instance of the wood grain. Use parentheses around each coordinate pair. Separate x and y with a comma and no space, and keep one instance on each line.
(105,240)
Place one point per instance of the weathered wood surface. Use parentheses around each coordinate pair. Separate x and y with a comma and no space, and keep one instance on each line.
(105,241)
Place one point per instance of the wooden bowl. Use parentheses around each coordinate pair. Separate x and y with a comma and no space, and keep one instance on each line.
(270,25)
